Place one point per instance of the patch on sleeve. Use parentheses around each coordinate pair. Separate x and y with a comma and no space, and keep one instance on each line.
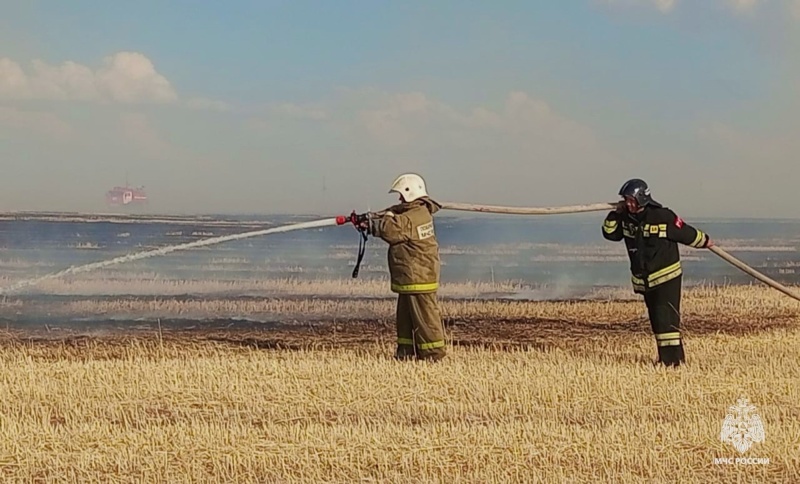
(425,231)
(678,221)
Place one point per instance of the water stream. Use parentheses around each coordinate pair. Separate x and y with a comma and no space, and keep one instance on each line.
(166,250)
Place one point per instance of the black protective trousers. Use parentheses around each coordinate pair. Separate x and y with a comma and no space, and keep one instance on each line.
(664,308)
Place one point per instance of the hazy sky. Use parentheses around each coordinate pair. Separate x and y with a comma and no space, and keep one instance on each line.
(244,106)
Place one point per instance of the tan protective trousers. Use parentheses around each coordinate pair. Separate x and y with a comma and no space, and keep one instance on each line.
(420,329)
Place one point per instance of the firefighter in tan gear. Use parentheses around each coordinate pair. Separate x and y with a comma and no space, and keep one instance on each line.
(414,267)
(652,233)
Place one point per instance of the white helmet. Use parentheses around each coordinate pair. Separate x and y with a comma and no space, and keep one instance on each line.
(410,185)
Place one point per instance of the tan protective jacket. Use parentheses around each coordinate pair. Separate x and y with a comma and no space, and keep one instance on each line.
(413,257)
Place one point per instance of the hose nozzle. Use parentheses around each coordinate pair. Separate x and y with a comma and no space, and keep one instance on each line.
(343,219)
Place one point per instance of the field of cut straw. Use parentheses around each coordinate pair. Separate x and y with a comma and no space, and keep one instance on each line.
(530,392)
(153,284)
(189,412)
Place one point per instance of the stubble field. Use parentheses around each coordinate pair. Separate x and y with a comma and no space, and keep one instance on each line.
(176,388)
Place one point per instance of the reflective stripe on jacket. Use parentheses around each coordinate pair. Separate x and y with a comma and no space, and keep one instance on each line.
(651,239)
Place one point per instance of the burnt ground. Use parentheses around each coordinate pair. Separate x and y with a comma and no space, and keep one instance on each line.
(498,334)
(41,320)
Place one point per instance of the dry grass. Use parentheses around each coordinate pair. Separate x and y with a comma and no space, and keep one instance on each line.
(151,283)
(735,305)
(585,406)
(188,412)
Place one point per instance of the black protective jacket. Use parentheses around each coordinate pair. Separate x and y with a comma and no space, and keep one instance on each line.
(652,237)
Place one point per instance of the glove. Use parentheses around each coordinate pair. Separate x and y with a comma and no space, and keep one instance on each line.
(621,207)
(362,221)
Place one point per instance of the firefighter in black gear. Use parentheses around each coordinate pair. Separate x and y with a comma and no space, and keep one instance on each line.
(652,233)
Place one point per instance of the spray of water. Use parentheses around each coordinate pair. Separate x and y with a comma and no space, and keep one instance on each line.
(167,250)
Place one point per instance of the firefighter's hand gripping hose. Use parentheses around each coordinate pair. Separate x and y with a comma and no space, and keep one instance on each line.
(360,223)
(596,207)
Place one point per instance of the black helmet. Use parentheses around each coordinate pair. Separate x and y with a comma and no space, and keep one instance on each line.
(638,190)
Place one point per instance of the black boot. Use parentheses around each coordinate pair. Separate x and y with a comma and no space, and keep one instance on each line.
(671,355)
(404,353)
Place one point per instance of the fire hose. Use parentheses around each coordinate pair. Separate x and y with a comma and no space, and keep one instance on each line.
(567,209)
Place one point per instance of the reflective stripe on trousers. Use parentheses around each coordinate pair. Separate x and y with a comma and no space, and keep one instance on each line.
(412,288)
(668,339)
(423,346)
